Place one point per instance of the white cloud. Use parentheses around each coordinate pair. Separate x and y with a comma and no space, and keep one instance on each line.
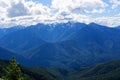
(37,8)
(94,11)
(115,3)
(98,11)
(19,12)
(80,18)
(71,5)
(28,12)
(3,8)
(17,9)
(108,21)
(75,9)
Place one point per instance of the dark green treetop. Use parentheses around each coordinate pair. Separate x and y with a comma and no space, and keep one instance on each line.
(13,71)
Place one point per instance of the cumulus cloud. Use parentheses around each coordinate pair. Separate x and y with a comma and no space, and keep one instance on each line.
(37,8)
(108,21)
(23,8)
(95,11)
(19,12)
(115,3)
(17,9)
(3,6)
(28,12)
(72,5)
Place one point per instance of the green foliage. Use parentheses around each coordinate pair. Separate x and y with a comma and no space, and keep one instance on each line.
(13,71)
(104,71)
(28,73)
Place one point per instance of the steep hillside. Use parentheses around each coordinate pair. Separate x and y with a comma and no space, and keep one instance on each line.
(21,40)
(65,54)
(7,54)
(36,35)
(5,31)
(65,45)
(104,71)
(28,74)
(94,43)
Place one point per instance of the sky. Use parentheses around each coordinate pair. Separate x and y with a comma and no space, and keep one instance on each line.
(31,12)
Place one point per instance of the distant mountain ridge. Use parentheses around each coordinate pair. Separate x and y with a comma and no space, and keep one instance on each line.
(5,31)
(6,54)
(39,34)
(65,45)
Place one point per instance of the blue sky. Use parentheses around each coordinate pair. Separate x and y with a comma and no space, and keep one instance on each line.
(30,12)
(44,2)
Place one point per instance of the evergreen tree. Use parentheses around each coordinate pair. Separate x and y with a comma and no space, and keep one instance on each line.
(13,72)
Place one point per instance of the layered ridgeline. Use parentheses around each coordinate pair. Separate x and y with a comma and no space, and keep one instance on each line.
(64,44)
(6,54)
(104,71)
(4,31)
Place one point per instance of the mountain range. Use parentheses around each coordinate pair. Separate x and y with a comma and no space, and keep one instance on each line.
(62,45)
